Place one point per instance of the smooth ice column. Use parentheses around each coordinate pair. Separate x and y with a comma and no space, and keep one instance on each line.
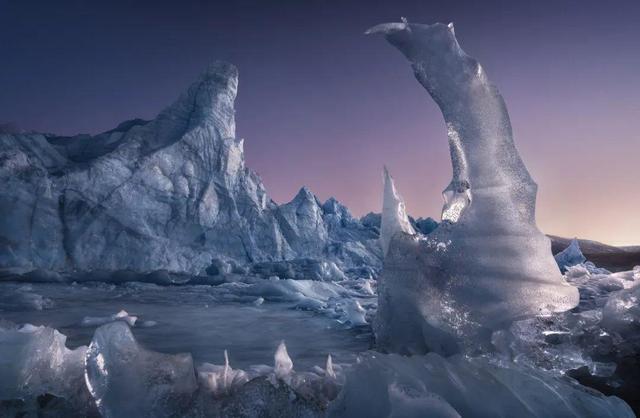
(486,264)
(394,215)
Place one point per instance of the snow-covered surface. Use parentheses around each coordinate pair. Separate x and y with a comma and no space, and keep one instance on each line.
(487,263)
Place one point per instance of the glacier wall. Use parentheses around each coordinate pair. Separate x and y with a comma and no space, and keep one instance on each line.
(170,194)
(486,264)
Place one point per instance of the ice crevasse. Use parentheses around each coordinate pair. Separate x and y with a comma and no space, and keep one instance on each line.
(486,264)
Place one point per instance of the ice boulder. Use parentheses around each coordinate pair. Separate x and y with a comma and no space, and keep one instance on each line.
(487,263)
(432,386)
(127,380)
(34,360)
(570,256)
(394,214)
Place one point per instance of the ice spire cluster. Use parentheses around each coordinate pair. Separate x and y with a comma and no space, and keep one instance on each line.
(394,215)
(487,263)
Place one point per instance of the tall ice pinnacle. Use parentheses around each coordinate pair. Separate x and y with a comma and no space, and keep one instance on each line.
(394,215)
(487,263)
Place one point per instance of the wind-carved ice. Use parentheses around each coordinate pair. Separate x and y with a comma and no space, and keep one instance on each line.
(394,215)
(487,263)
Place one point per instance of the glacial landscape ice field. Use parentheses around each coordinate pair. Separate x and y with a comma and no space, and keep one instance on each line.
(145,272)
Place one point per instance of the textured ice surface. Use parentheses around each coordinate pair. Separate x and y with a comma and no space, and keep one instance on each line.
(394,214)
(92,321)
(570,256)
(123,379)
(486,264)
(34,360)
(206,320)
(432,386)
(598,342)
(128,381)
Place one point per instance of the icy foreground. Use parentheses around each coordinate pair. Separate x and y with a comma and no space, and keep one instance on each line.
(486,264)
(116,377)
(172,194)
(432,386)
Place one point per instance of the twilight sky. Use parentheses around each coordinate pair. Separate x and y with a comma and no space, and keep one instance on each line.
(322,105)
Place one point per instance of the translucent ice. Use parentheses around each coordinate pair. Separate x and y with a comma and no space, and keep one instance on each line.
(570,256)
(220,380)
(432,386)
(128,381)
(394,215)
(487,263)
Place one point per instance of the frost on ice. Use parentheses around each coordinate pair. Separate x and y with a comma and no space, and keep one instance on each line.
(394,215)
(487,263)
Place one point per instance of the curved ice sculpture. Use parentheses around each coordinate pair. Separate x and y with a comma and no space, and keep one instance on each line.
(394,215)
(487,263)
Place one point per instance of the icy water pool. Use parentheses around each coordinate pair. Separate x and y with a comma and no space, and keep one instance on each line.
(201,320)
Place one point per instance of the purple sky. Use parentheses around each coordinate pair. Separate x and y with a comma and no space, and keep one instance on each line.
(322,105)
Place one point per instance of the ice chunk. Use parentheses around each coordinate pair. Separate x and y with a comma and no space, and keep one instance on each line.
(92,321)
(34,360)
(432,386)
(328,369)
(220,380)
(394,215)
(282,363)
(128,381)
(570,256)
(353,313)
(621,313)
(487,263)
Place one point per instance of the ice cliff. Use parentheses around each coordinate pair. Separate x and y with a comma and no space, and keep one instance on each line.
(486,264)
(169,194)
